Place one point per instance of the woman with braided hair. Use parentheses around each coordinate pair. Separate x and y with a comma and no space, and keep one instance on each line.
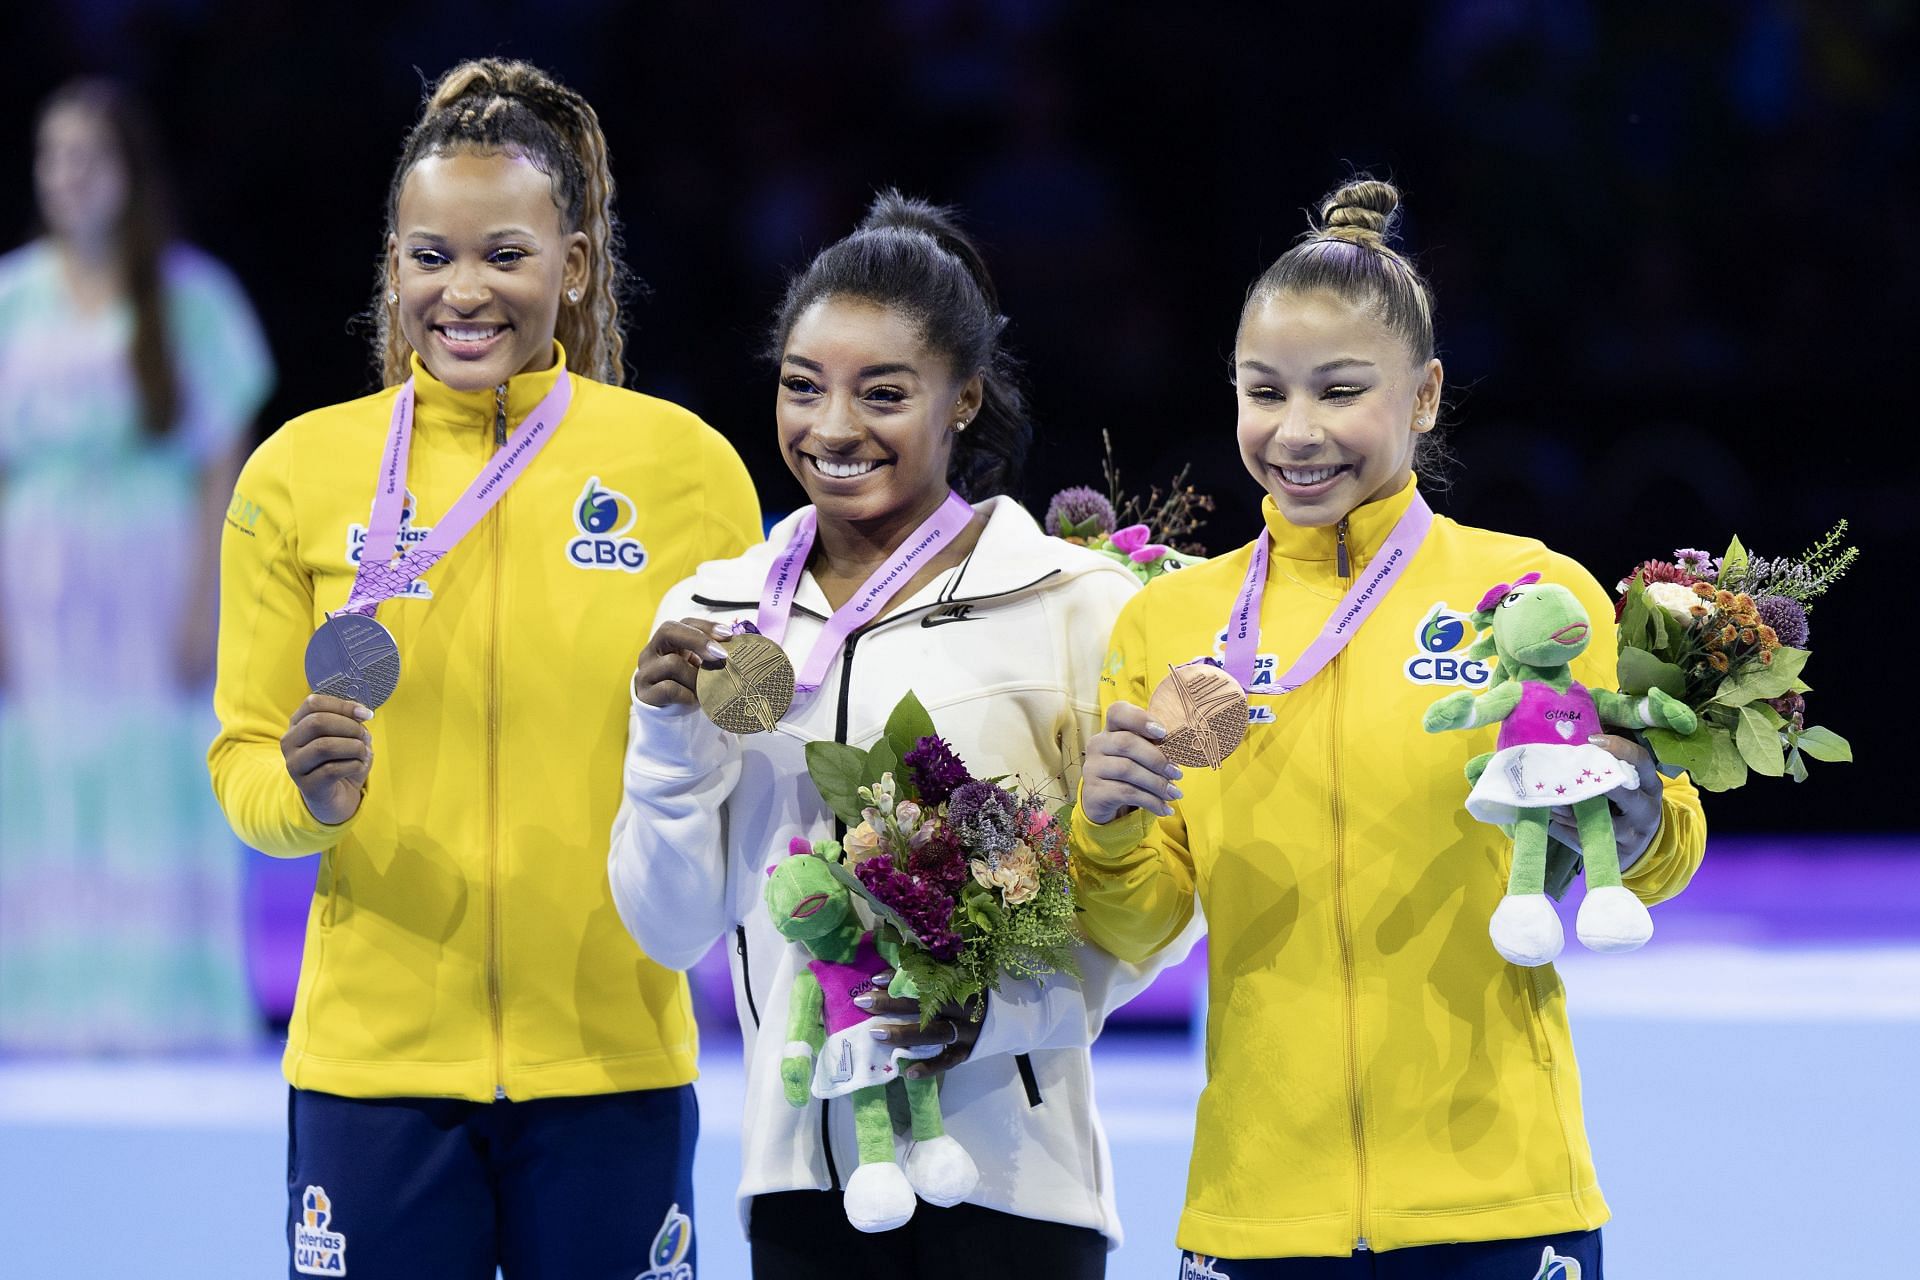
(486,1072)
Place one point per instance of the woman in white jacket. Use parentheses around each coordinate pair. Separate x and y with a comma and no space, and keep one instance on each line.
(893,395)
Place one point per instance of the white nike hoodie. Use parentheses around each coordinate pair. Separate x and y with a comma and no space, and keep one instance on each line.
(1005,650)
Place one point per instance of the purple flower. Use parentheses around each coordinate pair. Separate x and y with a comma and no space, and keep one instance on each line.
(926,910)
(1787,618)
(940,862)
(1079,512)
(985,818)
(935,770)
(1697,563)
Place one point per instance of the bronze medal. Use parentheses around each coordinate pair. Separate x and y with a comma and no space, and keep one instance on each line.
(754,689)
(1205,713)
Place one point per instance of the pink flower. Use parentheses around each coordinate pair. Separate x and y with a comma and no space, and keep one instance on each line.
(1132,542)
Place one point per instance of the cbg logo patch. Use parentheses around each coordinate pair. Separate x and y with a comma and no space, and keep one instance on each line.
(316,1250)
(670,1248)
(1441,640)
(603,517)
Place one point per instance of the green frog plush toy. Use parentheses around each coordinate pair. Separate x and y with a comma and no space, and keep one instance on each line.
(1542,760)
(831,1053)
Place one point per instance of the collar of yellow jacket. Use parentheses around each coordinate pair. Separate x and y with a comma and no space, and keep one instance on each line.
(1367,527)
(436,403)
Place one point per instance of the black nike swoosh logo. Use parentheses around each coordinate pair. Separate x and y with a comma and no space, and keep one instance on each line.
(941,619)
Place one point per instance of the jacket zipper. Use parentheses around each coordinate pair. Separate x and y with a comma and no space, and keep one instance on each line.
(746,977)
(1343,925)
(494,519)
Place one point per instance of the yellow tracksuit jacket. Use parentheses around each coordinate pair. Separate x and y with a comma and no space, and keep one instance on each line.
(1377,1076)
(462,940)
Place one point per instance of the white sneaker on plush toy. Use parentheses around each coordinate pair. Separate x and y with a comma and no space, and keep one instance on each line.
(941,1171)
(1525,930)
(1612,919)
(878,1197)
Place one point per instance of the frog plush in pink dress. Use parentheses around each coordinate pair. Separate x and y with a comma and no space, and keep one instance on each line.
(1543,759)
(831,1051)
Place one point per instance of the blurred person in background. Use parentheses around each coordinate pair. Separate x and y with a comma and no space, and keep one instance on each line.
(131,368)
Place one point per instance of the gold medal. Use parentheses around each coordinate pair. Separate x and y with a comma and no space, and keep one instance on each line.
(1205,713)
(754,689)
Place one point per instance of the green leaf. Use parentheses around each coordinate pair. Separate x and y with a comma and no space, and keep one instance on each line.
(1734,563)
(1825,744)
(1796,767)
(1636,632)
(1758,682)
(1707,754)
(907,725)
(1692,752)
(838,772)
(1641,672)
(1759,744)
(1658,621)
(882,760)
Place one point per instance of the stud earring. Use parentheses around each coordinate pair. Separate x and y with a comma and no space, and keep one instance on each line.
(1426,419)
(392,297)
(573,295)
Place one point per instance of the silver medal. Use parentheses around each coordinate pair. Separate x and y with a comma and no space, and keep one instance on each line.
(352,656)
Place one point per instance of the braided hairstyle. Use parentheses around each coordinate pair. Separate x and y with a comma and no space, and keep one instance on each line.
(910,256)
(493,105)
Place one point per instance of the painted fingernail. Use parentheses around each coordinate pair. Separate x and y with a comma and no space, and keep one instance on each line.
(1174,793)
(1156,730)
(362,713)
(864,1000)
(716,653)
(1175,771)
(881,1033)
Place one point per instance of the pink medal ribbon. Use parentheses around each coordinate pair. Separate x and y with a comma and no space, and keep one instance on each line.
(1385,570)
(380,578)
(936,532)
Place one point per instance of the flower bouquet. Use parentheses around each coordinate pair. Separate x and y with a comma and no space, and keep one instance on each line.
(970,877)
(1728,636)
(1144,534)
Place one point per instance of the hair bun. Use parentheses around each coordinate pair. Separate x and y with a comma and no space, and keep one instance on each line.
(1365,208)
(892,211)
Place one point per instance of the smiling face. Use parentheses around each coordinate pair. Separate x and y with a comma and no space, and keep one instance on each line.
(480,261)
(866,412)
(1330,404)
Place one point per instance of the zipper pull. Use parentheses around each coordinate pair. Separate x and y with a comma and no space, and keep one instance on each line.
(1340,549)
(500,415)
(1361,1246)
